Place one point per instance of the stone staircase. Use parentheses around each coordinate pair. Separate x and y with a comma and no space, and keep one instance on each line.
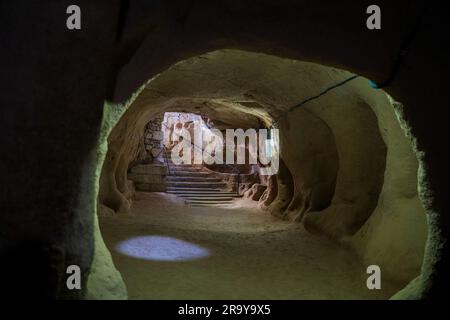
(196,185)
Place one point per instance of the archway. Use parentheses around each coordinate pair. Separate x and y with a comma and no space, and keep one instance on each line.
(351,168)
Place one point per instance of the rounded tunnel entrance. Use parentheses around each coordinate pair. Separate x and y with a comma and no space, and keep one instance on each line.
(345,196)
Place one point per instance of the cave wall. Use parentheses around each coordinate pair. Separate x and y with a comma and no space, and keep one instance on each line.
(153,140)
(362,154)
(395,234)
(392,234)
(124,146)
(54,85)
(309,151)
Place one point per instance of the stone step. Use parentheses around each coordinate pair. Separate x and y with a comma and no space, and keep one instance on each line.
(191,179)
(185,165)
(208,201)
(170,163)
(206,192)
(206,198)
(195,184)
(192,189)
(207,205)
(168,154)
(194,173)
(173,169)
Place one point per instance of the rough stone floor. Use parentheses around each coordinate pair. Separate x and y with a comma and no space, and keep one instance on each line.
(242,253)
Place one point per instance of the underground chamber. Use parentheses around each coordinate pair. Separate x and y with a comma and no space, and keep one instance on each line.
(343,198)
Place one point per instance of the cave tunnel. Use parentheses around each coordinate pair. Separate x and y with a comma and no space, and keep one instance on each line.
(361,180)
(348,172)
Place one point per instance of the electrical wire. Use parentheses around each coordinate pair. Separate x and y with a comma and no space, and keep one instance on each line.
(324,92)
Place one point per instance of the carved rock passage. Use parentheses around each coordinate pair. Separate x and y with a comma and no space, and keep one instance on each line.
(66,79)
(337,151)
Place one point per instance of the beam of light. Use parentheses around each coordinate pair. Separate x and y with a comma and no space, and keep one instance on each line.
(161,248)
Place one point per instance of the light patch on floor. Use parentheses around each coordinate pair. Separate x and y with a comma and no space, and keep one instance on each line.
(160,248)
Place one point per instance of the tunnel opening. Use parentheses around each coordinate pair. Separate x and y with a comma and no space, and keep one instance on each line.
(347,172)
(214,164)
